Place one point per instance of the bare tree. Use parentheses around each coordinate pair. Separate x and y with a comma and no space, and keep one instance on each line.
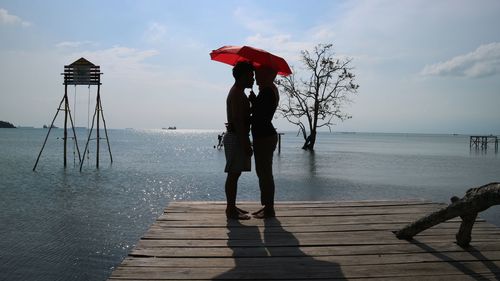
(316,101)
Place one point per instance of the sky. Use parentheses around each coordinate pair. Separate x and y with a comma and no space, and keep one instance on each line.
(422,66)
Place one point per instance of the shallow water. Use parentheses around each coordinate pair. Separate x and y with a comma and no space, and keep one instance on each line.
(60,224)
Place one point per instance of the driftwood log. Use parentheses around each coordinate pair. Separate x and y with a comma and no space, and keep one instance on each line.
(475,200)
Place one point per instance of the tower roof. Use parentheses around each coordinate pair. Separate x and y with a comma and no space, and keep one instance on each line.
(82,62)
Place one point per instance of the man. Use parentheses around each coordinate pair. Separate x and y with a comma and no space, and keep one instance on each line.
(265,137)
(237,145)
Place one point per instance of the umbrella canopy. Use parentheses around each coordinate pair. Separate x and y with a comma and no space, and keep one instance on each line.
(234,54)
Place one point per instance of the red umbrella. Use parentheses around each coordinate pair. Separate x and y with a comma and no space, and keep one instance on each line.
(234,54)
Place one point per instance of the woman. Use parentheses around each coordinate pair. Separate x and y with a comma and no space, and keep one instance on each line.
(264,137)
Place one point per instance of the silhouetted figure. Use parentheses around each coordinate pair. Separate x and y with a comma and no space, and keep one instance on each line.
(220,143)
(265,137)
(237,146)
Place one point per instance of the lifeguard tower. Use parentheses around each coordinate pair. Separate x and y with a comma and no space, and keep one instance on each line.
(80,72)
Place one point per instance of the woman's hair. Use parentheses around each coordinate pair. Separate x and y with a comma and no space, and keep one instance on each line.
(242,68)
(268,71)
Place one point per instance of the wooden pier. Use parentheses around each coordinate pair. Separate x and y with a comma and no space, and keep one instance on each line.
(483,141)
(309,241)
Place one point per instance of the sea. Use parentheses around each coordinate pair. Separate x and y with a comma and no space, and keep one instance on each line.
(61,223)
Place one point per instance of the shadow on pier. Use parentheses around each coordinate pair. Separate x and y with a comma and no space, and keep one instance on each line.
(276,256)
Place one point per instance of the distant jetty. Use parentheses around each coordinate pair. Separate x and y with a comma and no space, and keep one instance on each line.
(4,124)
(483,141)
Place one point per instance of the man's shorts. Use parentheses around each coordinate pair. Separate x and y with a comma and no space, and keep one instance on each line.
(236,158)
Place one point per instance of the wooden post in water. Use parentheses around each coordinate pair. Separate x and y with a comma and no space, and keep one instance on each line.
(67,113)
(66,109)
(98,108)
(95,79)
(105,131)
(279,142)
(48,133)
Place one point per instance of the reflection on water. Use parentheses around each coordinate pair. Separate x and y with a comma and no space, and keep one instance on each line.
(483,152)
(60,224)
(312,163)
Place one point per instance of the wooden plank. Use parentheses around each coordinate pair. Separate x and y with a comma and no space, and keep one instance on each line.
(220,220)
(288,223)
(218,232)
(454,226)
(374,236)
(311,269)
(303,204)
(318,212)
(319,202)
(366,259)
(457,277)
(201,248)
(307,212)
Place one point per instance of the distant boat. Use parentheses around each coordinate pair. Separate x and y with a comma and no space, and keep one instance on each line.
(170,128)
(53,127)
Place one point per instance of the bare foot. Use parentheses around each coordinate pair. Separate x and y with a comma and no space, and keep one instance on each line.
(259,211)
(235,214)
(264,213)
(242,211)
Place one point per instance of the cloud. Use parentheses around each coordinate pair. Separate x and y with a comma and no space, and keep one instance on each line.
(266,33)
(253,20)
(323,33)
(119,60)
(282,45)
(6,18)
(155,32)
(393,31)
(484,61)
(273,40)
(74,44)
